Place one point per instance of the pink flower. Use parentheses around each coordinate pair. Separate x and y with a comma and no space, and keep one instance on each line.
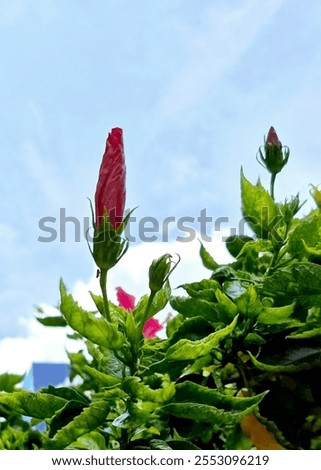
(151,327)
(125,300)
(111,190)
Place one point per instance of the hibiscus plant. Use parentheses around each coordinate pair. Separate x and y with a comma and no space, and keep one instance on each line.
(240,365)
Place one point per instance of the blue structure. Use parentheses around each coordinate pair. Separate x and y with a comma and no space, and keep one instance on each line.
(43,374)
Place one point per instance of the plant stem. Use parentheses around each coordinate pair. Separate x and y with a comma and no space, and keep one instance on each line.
(148,306)
(273,176)
(103,286)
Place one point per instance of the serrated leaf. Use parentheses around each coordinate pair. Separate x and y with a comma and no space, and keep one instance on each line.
(307,234)
(204,289)
(66,414)
(300,282)
(105,380)
(186,349)
(276,315)
(226,307)
(97,330)
(258,207)
(249,304)
(9,381)
(190,307)
(193,328)
(90,418)
(192,392)
(91,441)
(134,387)
(206,413)
(67,393)
(34,404)
(292,360)
(306,333)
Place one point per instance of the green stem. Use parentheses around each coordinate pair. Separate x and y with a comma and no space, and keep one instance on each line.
(148,306)
(103,286)
(273,176)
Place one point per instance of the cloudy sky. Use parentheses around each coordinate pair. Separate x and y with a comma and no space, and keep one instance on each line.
(195,85)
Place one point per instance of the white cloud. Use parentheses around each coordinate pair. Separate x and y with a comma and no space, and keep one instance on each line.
(40,345)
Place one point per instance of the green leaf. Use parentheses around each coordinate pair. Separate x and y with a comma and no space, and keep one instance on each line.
(54,321)
(226,307)
(192,392)
(307,234)
(300,282)
(259,209)
(193,328)
(236,243)
(134,387)
(207,260)
(65,415)
(97,330)
(277,315)
(190,307)
(202,290)
(248,303)
(186,349)
(9,381)
(90,418)
(306,332)
(37,405)
(293,359)
(105,380)
(91,441)
(173,324)
(206,413)
(157,444)
(67,393)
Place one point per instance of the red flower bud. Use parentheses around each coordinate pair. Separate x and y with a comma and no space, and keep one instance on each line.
(111,190)
(275,155)
(272,138)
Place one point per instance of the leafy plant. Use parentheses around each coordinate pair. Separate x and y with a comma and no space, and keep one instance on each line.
(240,367)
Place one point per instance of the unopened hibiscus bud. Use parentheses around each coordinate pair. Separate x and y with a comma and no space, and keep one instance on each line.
(275,155)
(159,272)
(111,189)
(272,138)
(108,245)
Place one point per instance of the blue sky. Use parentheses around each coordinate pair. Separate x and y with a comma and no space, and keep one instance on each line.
(194,85)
